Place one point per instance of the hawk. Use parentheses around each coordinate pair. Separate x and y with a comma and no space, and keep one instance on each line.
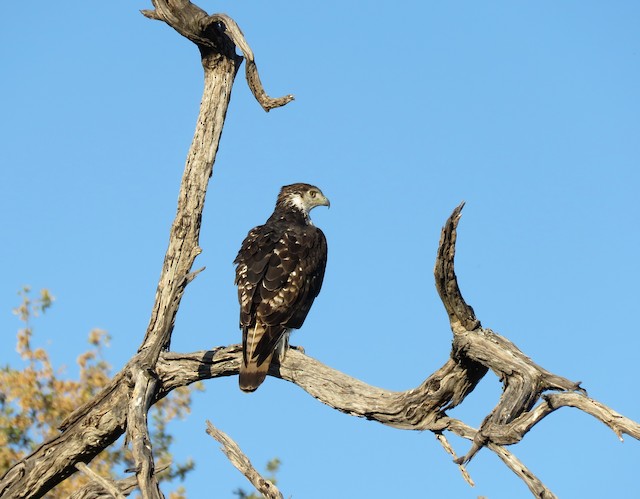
(279,272)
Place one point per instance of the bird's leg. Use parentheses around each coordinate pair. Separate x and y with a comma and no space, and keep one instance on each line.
(283,345)
(296,347)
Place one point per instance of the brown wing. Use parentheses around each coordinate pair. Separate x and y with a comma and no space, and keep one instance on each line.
(293,278)
(279,274)
(251,266)
(311,267)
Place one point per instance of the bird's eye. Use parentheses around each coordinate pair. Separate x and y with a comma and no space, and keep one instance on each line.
(313,193)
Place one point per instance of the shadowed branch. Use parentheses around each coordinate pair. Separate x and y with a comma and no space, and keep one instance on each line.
(107,485)
(97,490)
(420,408)
(126,399)
(152,373)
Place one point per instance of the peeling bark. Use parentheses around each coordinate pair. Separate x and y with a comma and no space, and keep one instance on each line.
(99,423)
(153,372)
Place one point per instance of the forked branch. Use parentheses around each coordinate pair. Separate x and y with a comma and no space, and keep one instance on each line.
(105,484)
(97,489)
(420,408)
(208,33)
(152,373)
(475,351)
(97,424)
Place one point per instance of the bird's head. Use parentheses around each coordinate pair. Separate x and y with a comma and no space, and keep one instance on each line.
(303,197)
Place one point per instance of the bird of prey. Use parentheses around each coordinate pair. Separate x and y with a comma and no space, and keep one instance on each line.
(279,272)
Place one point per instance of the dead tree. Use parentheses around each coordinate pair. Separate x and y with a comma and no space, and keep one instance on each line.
(530,393)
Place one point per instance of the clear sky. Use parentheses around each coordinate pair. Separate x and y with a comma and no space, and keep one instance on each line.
(528,111)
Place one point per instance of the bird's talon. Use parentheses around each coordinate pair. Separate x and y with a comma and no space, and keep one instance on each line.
(298,348)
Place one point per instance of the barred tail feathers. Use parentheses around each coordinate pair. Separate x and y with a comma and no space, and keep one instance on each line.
(259,344)
(252,375)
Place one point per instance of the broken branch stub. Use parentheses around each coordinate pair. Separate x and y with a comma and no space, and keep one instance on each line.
(216,32)
(100,422)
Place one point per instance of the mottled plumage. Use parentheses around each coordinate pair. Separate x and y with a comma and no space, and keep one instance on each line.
(279,272)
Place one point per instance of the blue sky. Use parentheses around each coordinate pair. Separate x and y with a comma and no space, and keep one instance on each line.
(528,111)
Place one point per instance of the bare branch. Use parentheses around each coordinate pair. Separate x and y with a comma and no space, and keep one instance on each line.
(537,488)
(151,14)
(253,77)
(415,409)
(397,409)
(209,32)
(618,423)
(105,483)
(523,380)
(86,436)
(220,64)
(125,487)
(447,447)
(354,397)
(242,463)
(98,423)
(460,314)
(138,434)
(420,408)
(186,18)
(152,373)
(96,491)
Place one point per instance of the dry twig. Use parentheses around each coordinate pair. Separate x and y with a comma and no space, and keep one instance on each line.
(104,483)
(243,464)
(125,487)
(152,373)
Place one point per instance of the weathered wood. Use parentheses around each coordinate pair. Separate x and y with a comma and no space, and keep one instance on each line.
(185,232)
(354,397)
(447,447)
(44,469)
(138,433)
(461,315)
(55,459)
(420,408)
(125,487)
(251,69)
(415,409)
(243,464)
(406,410)
(152,372)
(105,484)
(537,488)
(202,29)
(99,423)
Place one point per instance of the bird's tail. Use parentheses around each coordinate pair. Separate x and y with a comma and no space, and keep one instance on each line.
(259,343)
(253,374)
